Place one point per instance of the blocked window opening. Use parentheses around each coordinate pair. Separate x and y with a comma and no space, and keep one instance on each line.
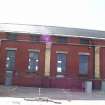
(83,65)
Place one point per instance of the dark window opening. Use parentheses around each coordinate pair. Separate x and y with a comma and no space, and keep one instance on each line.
(35,38)
(84,41)
(11,36)
(62,40)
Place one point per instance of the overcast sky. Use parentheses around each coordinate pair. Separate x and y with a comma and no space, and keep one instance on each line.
(89,14)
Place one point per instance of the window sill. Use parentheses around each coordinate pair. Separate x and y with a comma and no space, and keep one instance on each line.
(83,76)
(59,76)
(32,72)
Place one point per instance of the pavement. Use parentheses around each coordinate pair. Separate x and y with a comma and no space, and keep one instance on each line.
(15,95)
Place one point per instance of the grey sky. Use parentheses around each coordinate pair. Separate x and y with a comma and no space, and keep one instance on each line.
(88,14)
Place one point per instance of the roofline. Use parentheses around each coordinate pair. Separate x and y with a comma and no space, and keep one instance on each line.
(59,35)
(79,36)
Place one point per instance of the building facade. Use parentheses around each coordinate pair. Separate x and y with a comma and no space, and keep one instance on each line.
(52,60)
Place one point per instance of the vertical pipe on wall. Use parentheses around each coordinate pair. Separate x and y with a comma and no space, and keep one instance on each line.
(93,62)
(47,59)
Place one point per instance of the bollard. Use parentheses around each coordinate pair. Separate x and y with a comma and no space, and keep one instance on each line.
(88,86)
(103,86)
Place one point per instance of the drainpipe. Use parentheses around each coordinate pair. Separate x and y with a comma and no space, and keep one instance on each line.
(93,62)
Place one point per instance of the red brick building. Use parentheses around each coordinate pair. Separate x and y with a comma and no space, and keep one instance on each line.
(54,57)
